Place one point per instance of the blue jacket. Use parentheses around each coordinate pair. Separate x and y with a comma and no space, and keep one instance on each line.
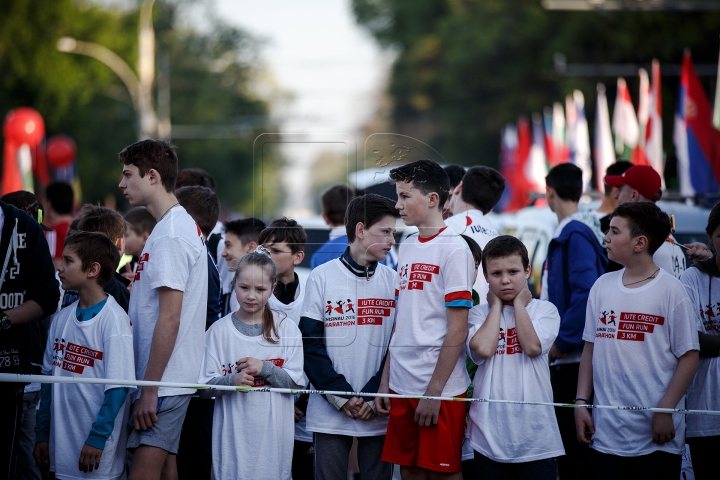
(575,261)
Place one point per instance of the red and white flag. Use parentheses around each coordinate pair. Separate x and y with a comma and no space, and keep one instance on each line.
(624,122)
(653,131)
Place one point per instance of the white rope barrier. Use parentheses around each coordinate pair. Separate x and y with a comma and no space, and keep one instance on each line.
(17,378)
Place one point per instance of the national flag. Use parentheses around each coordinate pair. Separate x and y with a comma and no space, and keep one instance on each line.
(653,130)
(580,148)
(560,152)
(516,187)
(624,122)
(548,127)
(536,167)
(604,154)
(639,156)
(716,111)
(697,143)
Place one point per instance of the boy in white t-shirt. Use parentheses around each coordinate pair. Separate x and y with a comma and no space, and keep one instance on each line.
(168,308)
(473,198)
(427,351)
(641,350)
(240,238)
(81,427)
(702,283)
(509,339)
(347,322)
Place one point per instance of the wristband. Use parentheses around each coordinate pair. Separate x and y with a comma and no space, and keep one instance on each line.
(581,399)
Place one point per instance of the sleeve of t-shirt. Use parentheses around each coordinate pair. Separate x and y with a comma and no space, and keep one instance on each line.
(47,365)
(683,331)
(313,306)
(690,279)
(590,317)
(476,318)
(170,262)
(210,367)
(293,346)
(120,358)
(546,321)
(457,276)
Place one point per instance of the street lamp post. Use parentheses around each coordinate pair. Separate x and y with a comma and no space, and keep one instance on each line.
(139,86)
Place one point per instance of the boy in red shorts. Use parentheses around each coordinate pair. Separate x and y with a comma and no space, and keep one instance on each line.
(427,354)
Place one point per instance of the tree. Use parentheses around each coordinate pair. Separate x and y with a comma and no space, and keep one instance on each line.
(465,68)
(210,75)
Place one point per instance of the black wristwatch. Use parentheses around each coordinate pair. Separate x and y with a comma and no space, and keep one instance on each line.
(4,321)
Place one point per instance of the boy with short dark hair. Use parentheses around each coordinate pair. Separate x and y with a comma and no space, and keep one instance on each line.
(241,237)
(473,198)
(167,307)
(427,351)
(285,239)
(455,174)
(509,339)
(347,321)
(575,260)
(82,426)
(641,349)
(58,215)
(702,283)
(95,218)
(334,203)
(139,225)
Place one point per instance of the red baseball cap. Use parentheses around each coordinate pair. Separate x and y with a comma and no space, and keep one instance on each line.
(641,178)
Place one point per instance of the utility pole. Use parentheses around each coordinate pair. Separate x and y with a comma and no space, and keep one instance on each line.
(139,86)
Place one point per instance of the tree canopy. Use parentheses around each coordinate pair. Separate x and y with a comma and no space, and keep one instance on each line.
(210,77)
(465,68)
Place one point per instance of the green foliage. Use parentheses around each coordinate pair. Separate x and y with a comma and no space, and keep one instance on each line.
(210,77)
(465,68)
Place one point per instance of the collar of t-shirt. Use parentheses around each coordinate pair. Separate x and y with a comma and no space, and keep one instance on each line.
(427,239)
(84,314)
(355,268)
(337,232)
(286,293)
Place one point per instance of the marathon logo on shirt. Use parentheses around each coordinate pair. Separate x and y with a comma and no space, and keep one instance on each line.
(340,313)
(628,326)
(261,382)
(372,311)
(75,358)
(710,316)
(501,343)
(414,277)
(144,258)
(512,346)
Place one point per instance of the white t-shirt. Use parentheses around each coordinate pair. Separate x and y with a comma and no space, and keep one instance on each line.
(433,274)
(670,258)
(703,391)
(358,315)
(97,348)
(175,257)
(514,433)
(477,226)
(293,311)
(639,334)
(252,432)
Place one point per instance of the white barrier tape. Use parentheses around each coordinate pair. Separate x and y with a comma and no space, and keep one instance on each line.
(17,378)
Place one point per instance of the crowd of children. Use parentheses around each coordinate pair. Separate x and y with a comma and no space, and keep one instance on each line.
(202,305)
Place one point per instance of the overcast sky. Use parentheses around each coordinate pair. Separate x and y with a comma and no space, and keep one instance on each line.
(333,69)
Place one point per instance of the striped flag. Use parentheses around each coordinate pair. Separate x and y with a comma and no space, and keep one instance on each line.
(580,149)
(536,168)
(604,154)
(653,130)
(697,143)
(639,156)
(624,122)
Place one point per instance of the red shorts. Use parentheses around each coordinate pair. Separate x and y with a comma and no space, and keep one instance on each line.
(437,447)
